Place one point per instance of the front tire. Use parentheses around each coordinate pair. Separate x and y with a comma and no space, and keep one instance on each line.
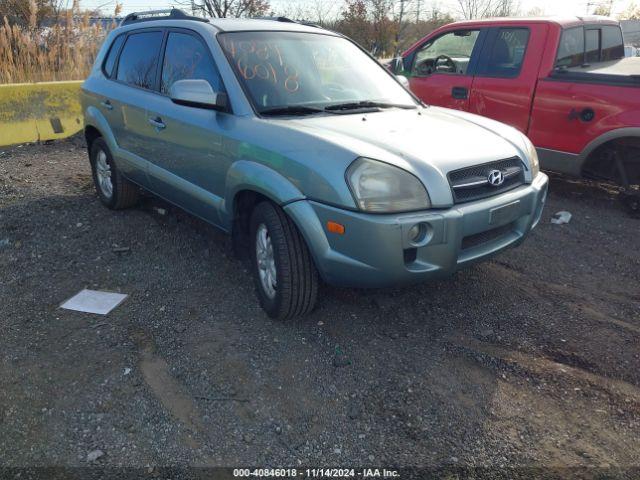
(286,278)
(631,201)
(115,191)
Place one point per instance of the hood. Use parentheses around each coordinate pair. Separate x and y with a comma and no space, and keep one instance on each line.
(429,142)
(445,139)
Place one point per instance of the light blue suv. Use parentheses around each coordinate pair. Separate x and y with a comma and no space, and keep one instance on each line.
(312,155)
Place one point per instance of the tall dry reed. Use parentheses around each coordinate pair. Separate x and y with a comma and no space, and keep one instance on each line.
(64,51)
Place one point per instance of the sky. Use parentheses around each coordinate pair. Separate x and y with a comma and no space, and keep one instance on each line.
(550,7)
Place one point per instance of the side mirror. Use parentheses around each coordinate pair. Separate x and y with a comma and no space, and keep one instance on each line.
(198,94)
(404,81)
(397,65)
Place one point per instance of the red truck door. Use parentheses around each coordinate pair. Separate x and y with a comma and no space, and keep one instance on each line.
(507,74)
(441,69)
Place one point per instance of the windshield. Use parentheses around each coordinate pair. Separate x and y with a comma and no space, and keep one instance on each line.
(286,70)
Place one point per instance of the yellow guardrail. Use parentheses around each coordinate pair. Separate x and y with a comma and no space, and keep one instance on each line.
(31,112)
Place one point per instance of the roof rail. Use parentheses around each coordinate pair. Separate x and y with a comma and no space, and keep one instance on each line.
(168,14)
(288,20)
(275,19)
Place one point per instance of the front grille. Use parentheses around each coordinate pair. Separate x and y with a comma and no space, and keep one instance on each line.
(485,237)
(471,183)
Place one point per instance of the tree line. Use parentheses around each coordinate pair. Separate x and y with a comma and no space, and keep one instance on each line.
(383,27)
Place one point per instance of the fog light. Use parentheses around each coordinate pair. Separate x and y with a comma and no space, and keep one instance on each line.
(414,233)
(417,233)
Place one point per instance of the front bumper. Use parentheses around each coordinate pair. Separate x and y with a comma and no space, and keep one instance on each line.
(376,251)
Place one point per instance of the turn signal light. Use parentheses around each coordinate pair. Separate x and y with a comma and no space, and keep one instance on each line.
(335,227)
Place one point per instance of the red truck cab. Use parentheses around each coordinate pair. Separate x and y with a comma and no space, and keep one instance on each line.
(564,82)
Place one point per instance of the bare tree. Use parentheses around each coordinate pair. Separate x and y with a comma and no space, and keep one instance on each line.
(603,8)
(401,10)
(471,9)
(631,13)
(323,12)
(231,8)
(320,12)
(506,8)
(536,12)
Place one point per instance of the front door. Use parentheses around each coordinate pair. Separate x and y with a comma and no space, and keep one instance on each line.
(188,162)
(441,70)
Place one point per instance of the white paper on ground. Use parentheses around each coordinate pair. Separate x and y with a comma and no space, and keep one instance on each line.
(93,301)
(561,218)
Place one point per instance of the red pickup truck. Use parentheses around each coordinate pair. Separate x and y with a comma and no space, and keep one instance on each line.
(564,82)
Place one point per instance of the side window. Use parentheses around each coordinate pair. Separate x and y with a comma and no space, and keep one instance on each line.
(187,58)
(139,59)
(612,43)
(592,45)
(571,48)
(507,53)
(449,53)
(110,61)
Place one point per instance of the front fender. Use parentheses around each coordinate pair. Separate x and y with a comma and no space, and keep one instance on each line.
(248,175)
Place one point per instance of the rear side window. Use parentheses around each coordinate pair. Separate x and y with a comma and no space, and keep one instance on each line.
(187,58)
(592,44)
(139,59)
(110,61)
(507,53)
(612,43)
(571,49)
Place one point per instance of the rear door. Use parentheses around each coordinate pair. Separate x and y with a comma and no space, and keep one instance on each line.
(441,70)
(133,87)
(507,73)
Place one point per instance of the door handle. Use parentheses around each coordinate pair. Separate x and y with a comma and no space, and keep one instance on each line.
(461,93)
(107,104)
(158,123)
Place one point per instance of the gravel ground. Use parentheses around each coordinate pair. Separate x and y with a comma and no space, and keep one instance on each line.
(531,359)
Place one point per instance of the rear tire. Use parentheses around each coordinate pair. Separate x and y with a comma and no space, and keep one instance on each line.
(115,191)
(285,276)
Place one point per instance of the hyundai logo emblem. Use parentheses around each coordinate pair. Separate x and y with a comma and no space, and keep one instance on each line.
(495,178)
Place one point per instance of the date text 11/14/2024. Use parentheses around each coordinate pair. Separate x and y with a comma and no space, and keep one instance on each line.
(315,473)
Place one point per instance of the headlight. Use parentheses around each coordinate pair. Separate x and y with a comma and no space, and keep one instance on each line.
(380,187)
(532,153)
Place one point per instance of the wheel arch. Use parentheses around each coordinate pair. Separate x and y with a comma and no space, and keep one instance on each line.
(96,123)
(91,133)
(247,178)
(247,184)
(593,160)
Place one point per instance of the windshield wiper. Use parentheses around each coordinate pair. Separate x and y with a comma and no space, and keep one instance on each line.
(291,110)
(366,104)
